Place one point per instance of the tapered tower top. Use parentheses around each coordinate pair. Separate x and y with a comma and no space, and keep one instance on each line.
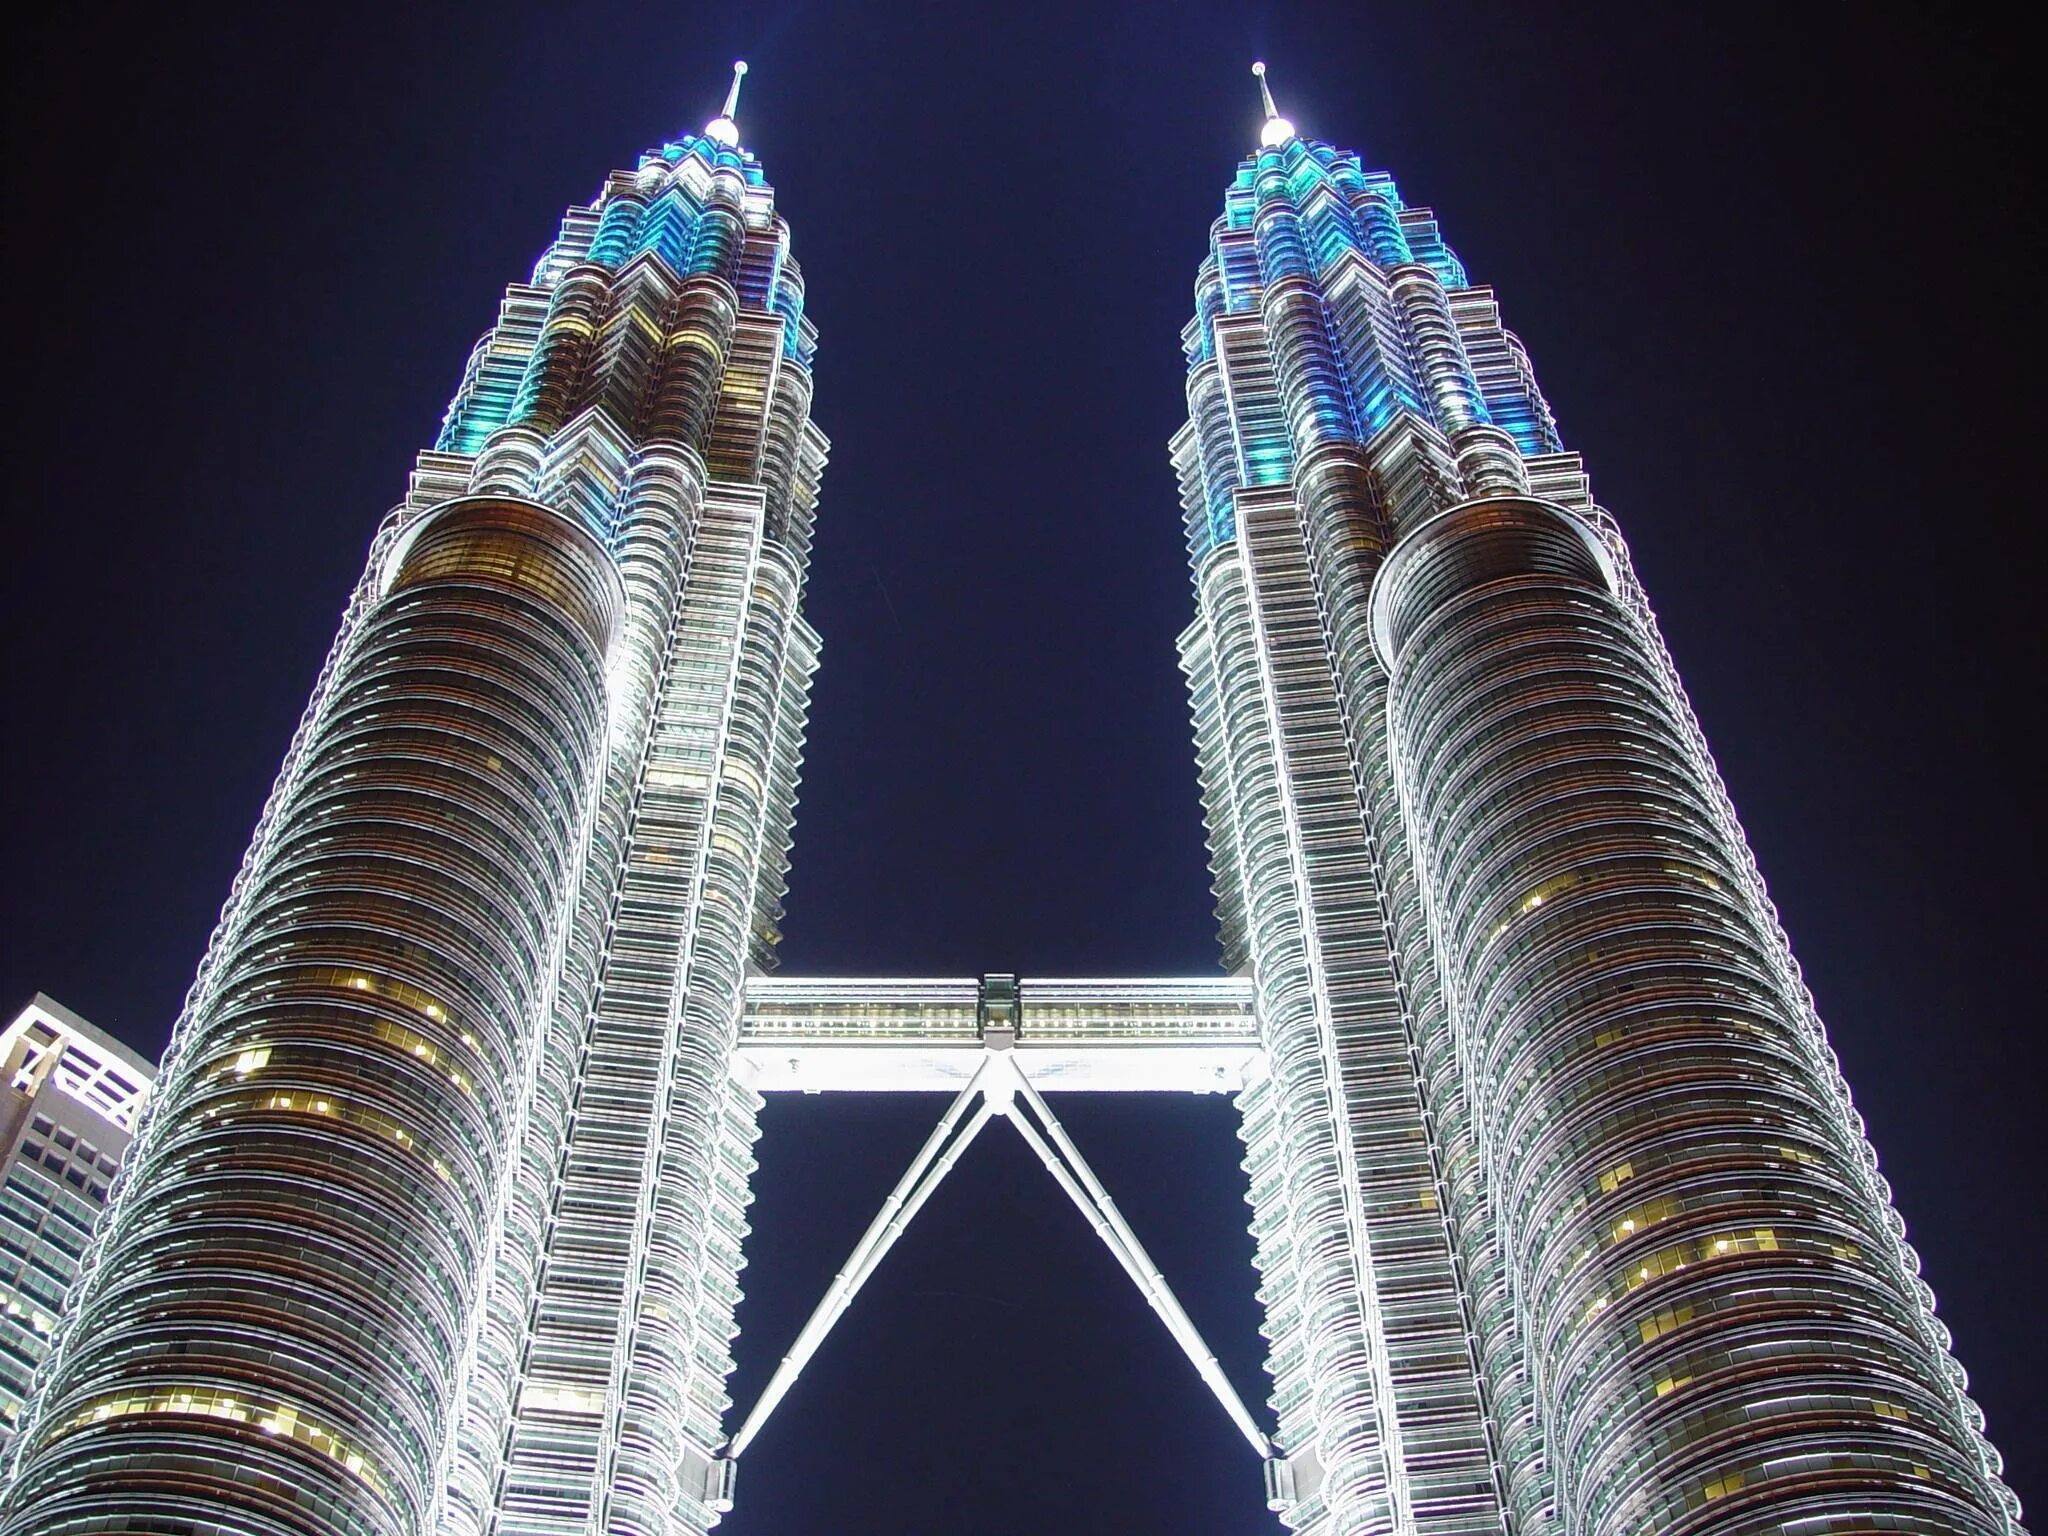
(724,128)
(1277,130)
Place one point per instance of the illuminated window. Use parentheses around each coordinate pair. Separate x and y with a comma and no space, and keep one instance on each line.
(1657,1324)
(1721,1487)
(282,1419)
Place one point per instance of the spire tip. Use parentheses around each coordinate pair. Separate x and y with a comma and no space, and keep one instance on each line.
(1277,130)
(725,129)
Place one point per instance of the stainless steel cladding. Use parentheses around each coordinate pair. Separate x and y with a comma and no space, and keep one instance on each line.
(1566,1224)
(1728,1336)
(275,1328)
(434,1225)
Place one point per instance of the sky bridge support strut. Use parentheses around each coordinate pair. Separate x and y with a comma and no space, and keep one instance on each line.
(998,1084)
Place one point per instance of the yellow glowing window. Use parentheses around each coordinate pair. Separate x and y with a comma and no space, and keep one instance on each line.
(1547,891)
(1721,1487)
(282,1419)
(377,1124)
(1644,1217)
(1658,1324)
(1616,1176)
(1669,1260)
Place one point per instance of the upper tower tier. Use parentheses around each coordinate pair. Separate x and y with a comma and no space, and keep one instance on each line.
(697,207)
(1402,338)
(464,1031)
(1567,1223)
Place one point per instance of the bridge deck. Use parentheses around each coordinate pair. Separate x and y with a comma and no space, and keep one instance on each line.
(1175,1034)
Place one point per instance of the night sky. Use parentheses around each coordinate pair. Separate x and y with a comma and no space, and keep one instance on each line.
(1776,267)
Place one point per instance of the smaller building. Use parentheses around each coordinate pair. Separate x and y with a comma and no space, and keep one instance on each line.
(69,1097)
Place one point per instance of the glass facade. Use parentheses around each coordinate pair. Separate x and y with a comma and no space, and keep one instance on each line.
(434,1224)
(1565,1224)
(1565,1220)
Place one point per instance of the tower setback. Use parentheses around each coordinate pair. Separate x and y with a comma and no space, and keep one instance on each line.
(1565,1219)
(435,1224)
(1565,1223)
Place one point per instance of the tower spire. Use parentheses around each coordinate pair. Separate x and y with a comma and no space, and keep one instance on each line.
(1277,130)
(724,128)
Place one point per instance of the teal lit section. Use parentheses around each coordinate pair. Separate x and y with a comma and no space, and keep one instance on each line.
(1302,212)
(1554,1177)
(658,213)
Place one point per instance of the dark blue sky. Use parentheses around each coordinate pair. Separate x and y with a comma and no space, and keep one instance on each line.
(1776,267)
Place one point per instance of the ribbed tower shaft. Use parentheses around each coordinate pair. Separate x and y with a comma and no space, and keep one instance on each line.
(1564,1220)
(435,1226)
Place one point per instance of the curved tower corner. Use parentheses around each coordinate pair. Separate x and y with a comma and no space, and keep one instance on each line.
(1564,1218)
(433,1224)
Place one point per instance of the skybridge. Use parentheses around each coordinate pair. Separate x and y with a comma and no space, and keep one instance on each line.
(1181,1034)
(998,1044)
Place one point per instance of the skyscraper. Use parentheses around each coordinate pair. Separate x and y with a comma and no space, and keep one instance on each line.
(1564,1221)
(435,1222)
(69,1097)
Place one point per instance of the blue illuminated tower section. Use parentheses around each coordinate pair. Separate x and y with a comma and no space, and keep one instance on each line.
(1565,1221)
(434,1225)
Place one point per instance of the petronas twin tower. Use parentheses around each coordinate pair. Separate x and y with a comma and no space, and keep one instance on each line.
(1565,1223)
